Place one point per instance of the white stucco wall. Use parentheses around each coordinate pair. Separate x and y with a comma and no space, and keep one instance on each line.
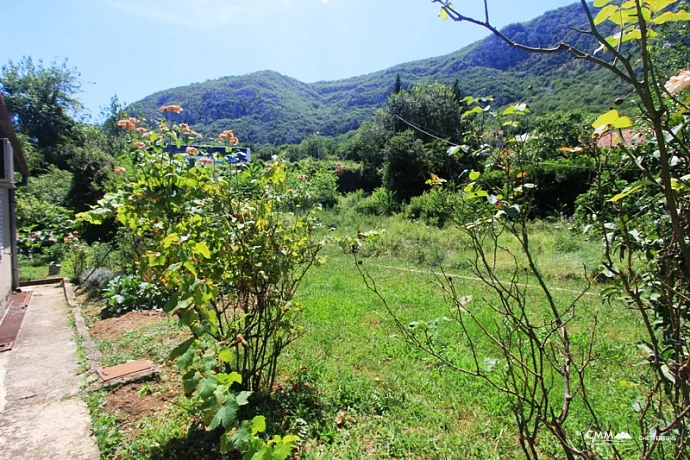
(5,247)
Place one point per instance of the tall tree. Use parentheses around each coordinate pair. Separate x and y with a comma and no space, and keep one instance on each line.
(42,100)
(457,94)
(430,110)
(398,84)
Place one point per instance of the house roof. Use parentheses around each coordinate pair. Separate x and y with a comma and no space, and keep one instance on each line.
(7,131)
(613,138)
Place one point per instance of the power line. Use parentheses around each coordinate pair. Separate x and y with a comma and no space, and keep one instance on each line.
(425,132)
(535,163)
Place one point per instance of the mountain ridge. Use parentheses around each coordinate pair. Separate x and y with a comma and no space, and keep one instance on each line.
(269,107)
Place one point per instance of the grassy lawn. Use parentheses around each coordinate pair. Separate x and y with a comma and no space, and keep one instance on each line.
(352,389)
(32,268)
(36,268)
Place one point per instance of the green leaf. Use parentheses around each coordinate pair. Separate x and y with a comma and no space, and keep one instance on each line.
(241,437)
(229,379)
(190,381)
(185,360)
(600,3)
(517,109)
(622,122)
(226,444)
(170,240)
(207,386)
(672,16)
(667,373)
(243,398)
(605,13)
(225,355)
(630,190)
(513,211)
(474,175)
(658,5)
(190,268)
(281,452)
(181,348)
(444,14)
(202,248)
(606,119)
(290,438)
(225,416)
(258,424)
(473,110)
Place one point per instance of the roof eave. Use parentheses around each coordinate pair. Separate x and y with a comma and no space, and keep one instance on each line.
(7,130)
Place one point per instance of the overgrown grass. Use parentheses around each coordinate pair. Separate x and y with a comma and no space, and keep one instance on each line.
(403,403)
(352,389)
(32,269)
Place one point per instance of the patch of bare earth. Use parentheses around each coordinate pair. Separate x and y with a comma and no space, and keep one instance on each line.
(112,328)
(135,401)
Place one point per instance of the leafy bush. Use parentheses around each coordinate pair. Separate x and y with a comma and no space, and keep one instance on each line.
(228,260)
(382,202)
(95,281)
(434,207)
(588,207)
(311,184)
(352,177)
(129,293)
(43,221)
(409,241)
(407,165)
(558,183)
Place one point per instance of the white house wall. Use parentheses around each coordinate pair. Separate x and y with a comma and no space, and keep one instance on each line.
(5,247)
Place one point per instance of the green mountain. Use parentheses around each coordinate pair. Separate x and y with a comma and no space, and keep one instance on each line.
(267,107)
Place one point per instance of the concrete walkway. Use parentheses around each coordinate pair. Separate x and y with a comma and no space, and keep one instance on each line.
(42,415)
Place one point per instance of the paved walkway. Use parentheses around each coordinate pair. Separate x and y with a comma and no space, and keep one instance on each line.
(42,415)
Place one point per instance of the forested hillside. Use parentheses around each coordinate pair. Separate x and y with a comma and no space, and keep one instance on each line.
(267,107)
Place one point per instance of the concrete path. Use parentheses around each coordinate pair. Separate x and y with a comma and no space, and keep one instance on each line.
(42,415)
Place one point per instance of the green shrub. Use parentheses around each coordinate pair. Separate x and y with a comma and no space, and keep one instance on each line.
(558,183)
(312,183)
(410,241)
(95,281)
(352,200)
(229,261)
(589,207)
(353,177)
(382,202)
(42,220)
(129,293)
(434,207)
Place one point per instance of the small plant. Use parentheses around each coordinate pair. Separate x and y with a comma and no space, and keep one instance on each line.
(129,293)
(228,259)
(381,202)
(94,281)
(77,254)
(434,207)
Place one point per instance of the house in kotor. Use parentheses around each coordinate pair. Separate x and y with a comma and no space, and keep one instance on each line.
(12,160)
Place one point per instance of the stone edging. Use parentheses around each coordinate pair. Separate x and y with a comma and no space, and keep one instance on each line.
(39,282)
(93,354)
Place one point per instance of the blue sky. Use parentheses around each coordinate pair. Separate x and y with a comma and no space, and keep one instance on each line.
(133,48)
